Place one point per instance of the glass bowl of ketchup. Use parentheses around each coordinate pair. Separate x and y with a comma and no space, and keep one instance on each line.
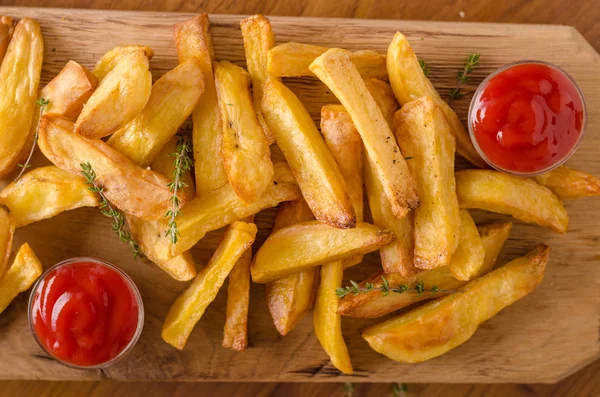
(85,313)
(527,118)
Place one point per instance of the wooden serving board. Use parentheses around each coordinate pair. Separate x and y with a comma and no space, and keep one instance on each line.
(543,338)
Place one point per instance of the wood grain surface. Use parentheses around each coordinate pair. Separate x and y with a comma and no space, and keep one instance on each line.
(543,338)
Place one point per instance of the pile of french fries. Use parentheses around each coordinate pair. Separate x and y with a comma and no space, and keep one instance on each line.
(391,139)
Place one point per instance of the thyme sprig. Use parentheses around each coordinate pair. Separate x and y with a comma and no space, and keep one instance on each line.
(424,67)
(348,389)
(462,76)
(418,288)
(181,164)
(107,210)
(399,389)
(42,103)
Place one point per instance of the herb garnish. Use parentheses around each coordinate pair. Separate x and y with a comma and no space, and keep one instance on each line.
(181,164)
(463,76)
(424,67)
(42,103)
(418,288)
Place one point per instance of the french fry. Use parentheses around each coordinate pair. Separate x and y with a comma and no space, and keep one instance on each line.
(44,193)
(437,327)
(114,56)
(294,59)
(384,97)
(132,189)
(568,183)
(193,40)
(258,40)
(309,244)
(163,164)
(6,31)
(173,98)
(521,198)
(409,83)
(25,268)
(189,307)
(7,231)
(245,151)
(309,158)
(375,304)
(424,135)
(337,71)
(469,255)
(19,80)
(290,298)
(120,96)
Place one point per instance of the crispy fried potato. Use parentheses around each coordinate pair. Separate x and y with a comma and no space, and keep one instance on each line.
(311,162)
(258,40)
(119,98)
(46,192)
(425,137)
(568,183)
(245,151)
(437,327)
(25,268)
(410,83)
(132,189)
(173,98)
(19,80)
(384,97)
(6,31)
(310,244)
(469,255)
(193,40)
(290,298)
(163,164)
(189,307)
(336,70)
(114,56)
(294,59)
(521,198)
(7,231)
(374,304)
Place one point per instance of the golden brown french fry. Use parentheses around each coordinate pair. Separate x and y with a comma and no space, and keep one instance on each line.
(114,56)
(374,304)
(173,98)
(309,244)
(163,164)
(568,183)
(46,192)
(437,327)
(6,31)
(294,59)
(425,137)
(189,307)
(336,70)
(384,97)
(25,268)
(290,298)
(258,40)
(7,231)
(132,189)
(245,151)
(311,162)
(521,198)
(119,98)
(193,40)
(410,83)
(469,255)
(19,80)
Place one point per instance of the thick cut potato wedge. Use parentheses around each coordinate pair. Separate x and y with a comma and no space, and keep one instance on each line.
(521,198)
(327,323)
(7,231)
(6,31)
(309,244)
(245,152)
(132,189)
(374,304)
(469,255)
(309,158)
(25,268)
(46,192)
(189,307)
(568,183)
(290,298)
(336,70)
(119,98)
(258,40)
(173,98)
(19,80)
(114,56)
(438,327)
(410,83)
(294,59)
(424,135)
(163,164)
(194,41)
(384,97)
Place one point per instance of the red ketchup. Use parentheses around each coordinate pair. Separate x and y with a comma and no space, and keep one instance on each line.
(527,118)
(84,312)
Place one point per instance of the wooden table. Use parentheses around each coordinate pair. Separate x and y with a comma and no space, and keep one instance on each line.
(584,17)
